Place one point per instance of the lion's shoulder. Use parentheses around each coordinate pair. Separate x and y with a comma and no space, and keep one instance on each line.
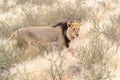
(63,26)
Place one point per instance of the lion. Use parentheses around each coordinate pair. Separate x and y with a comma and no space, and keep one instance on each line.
(58,35)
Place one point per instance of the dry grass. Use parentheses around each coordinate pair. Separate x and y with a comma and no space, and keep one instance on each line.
(97,49)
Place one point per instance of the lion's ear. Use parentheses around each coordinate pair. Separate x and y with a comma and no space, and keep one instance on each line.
(69,23)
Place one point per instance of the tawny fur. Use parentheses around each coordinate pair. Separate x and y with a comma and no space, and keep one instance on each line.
(59,35)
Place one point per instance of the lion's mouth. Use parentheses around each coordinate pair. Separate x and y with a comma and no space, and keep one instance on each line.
(75,36)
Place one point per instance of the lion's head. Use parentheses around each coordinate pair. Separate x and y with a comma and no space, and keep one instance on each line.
(70,30)
(73,29)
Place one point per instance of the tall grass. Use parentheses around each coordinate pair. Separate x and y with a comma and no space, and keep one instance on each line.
(96,60)
(4,29)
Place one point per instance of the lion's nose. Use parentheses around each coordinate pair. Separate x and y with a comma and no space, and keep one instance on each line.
(77,35)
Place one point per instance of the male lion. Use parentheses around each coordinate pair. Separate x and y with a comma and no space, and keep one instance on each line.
(58,35)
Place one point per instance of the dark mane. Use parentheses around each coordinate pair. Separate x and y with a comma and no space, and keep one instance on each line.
(64,28)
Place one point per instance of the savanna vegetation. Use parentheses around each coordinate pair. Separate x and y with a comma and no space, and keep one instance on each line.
(97,50)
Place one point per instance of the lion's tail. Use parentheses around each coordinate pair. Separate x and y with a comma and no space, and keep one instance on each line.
(12,41)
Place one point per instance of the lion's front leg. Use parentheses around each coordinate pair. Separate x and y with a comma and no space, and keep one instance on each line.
(61,42)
